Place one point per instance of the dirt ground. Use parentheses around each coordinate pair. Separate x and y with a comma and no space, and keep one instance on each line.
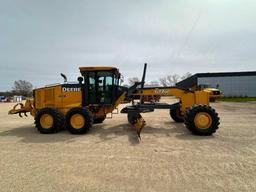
(111,158)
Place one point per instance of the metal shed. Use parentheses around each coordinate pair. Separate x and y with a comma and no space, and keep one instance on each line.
(232,84)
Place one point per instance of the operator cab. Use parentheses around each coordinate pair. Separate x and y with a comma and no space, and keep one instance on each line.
(101,85)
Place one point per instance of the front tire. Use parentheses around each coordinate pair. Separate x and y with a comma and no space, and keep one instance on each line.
(175,114)
(202,120)
(49,120)
(78,120)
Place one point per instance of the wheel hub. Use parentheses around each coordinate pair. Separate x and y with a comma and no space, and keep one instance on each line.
(77,121)
(46,121)
(203,120)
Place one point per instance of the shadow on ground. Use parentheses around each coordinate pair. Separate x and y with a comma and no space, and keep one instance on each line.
(29,134)
(104,132)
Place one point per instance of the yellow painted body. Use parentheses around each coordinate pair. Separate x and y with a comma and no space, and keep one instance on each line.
(55,97)
(212,94)
(99,68)
(65,97)
(187,98)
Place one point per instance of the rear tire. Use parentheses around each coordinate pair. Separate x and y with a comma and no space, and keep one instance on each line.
(202,120)
(79,120)
(176,115)
(49,120)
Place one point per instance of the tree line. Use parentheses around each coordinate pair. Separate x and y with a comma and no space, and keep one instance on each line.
(25,88)
(20,87)
(169,80)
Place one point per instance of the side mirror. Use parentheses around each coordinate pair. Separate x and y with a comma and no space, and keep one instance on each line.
(80,80)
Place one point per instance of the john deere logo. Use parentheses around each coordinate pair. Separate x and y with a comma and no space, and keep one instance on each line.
(71,89)
(161,91)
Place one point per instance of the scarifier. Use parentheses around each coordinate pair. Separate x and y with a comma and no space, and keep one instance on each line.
(76,106)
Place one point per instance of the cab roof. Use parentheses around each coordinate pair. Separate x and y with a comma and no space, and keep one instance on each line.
(100,68)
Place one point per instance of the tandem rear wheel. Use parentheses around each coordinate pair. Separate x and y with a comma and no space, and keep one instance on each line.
(79,120)
(49,120)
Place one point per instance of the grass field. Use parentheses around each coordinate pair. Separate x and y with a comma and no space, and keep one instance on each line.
(237,99)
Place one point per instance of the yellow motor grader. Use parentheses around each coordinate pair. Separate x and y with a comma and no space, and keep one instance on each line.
(77,106)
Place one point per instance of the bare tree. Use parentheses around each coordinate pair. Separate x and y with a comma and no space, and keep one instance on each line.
(172,79)
(132,80)
(22,87)
(186,75)
(163,81)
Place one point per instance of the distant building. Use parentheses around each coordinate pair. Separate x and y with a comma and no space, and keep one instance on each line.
(17,98)
(2,98)
(232,84)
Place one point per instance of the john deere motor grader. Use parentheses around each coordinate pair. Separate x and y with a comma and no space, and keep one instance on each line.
(98,93)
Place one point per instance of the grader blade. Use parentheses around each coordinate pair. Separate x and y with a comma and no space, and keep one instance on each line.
(138,123)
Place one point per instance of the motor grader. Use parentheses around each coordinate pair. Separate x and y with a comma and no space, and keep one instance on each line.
(98,92)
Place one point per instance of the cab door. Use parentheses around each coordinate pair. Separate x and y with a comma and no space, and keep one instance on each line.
(100,87)
(104,87)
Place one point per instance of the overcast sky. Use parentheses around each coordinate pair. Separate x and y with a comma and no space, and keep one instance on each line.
(41,38)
